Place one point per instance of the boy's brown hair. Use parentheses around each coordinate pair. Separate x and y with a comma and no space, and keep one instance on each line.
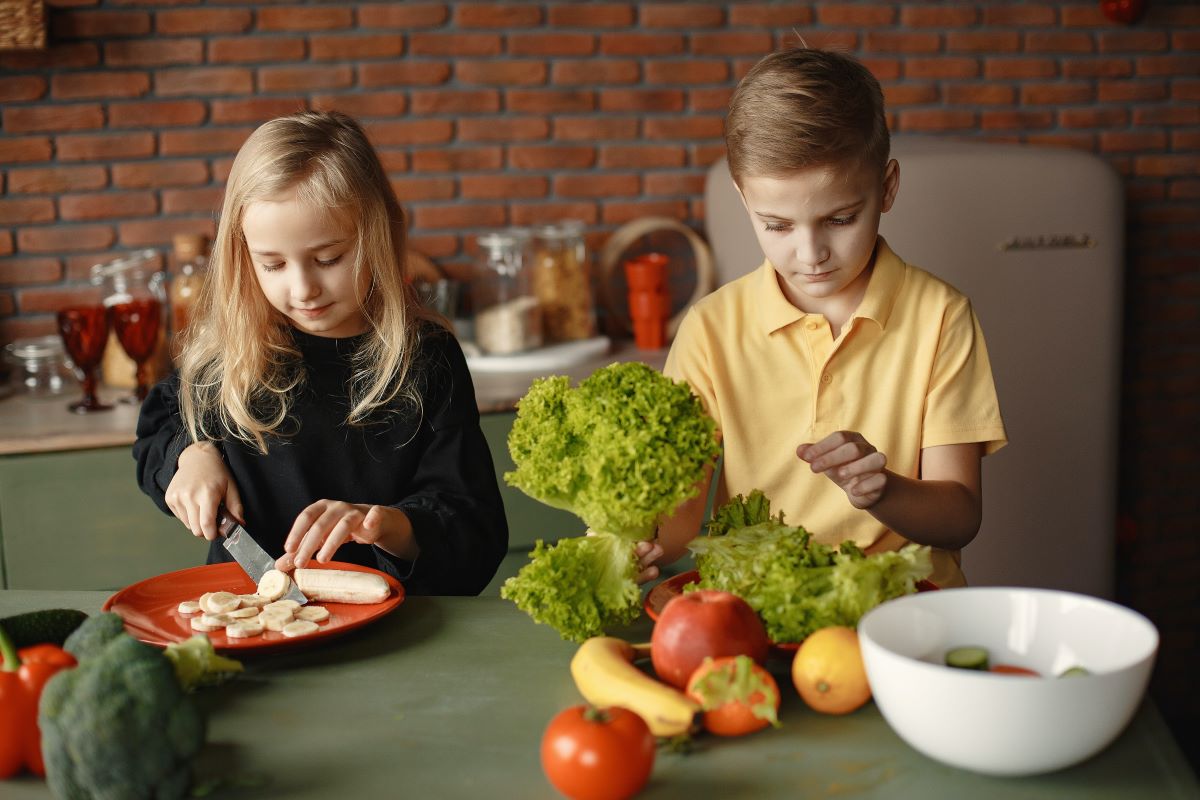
(802,108)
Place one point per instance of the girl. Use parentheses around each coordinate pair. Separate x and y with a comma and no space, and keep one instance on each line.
(316,399)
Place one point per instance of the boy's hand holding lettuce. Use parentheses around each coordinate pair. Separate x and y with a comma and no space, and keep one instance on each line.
(622,449)
(797,585)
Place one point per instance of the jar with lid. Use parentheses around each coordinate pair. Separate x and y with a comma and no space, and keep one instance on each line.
(507,316)
(190,259)
(561,282)
(40,367)
(135,296)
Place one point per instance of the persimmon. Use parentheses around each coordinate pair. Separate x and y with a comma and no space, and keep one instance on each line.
(828,671)
(736,695)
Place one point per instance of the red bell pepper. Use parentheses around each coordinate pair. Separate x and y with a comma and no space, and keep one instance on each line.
(22,675)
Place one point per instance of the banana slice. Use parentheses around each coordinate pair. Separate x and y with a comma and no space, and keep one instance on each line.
(253,600)
(198,624)
(203,601)
(300,627)
(215,620)
(290,605)
(313,613)
(274,584)
(244,629)
(242,613)
(190,607)
(223,602)
(275,621)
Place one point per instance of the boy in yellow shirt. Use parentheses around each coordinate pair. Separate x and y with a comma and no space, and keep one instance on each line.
(852,388)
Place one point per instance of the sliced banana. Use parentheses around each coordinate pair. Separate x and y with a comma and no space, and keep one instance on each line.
(223,602)
(300,627)
(242,613)
(313,613)
(244,629)
(253,600)
(190,607)
(274,584)
(276,621)
(289,605)
(216,620)
(198,624)
(203,601)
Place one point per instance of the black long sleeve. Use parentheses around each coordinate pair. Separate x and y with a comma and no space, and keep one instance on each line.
(436,467)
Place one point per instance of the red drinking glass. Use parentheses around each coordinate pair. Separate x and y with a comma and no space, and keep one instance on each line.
(136,322)
(84,331)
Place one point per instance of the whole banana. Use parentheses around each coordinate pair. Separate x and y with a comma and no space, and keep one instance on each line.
(606,676)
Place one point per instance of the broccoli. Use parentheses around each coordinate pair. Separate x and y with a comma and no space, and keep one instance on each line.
(118,725)
(198,664)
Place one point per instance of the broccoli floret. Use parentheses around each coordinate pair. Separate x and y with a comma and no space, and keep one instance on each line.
(118,725)
(198,664)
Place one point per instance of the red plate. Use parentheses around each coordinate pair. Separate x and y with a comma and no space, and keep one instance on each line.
(149,608)
(658,597)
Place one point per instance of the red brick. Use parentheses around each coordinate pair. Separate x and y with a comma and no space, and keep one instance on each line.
(158,114)
(598,184)
(458,215)
(1185,190)
(192,201)
(686,72)
(55,180)
(362,105)
(1184,40)
(936,120)
(1132,141)
(1173,115)
(410,132)
(986,42)
(204,81)
(88,85)
(1097,68)
(731,43)
(1019,68)
(937,17)
(159,173)
(1125,91)
(406,16)
(1185,140)
(500,187)
(23,327)
(393,160)
(944,67)
(455,45)
(1023,15)
(620,156)
(1074,141)
(24,271)
(255,50)
(688,16)
(687,184)
(354,48)
(255,109)
(893,42)
(551,44)
(6,244)
(468,159)
(709,99)
(305,78)
(35,119)
(404,73)
(590,129)
(1057,93)
(69,55)
(617,213)
(770,15)
(305,18)
(689,127)
(24,212)
(104,147)
(984,94)
(453,101)
(550,101)
(1183,66)
(1016,120)
(551,157)
(98,24)
(591,15)
(412,189)
(1055,42)
(594,71)
(497,15)
(20,149)
(205,21)
(1088,16)
(150,233)
(65,238)
(856,16)
(436,246)
(544,213)
(884,69)
(503,130)
(1095,117)
(221,166)
(913,94)
(1133,41)
(22,87)
(641,44)
(510,72)
(50,299)
(106,205)
(206,141)
(652,100)
(153,52)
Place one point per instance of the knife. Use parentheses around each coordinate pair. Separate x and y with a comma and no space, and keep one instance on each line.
(250,555)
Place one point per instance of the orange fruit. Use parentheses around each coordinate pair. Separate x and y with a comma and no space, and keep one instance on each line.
(828,671)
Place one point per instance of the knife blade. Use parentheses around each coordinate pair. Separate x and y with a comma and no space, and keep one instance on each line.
(250,555)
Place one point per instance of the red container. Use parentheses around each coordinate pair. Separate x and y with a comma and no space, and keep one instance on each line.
(647,273)
(649,311)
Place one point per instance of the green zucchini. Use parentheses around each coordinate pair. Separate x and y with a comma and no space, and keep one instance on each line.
(967,658)
(1073,672)
(49,626)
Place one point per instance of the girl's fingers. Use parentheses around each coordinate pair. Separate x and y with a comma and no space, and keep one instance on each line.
(648,574)
(336,538)
(303,523)
(233,501)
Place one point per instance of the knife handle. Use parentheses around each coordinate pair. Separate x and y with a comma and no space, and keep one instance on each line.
(225,523)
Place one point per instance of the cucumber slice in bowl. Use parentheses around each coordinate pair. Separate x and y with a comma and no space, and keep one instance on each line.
(970,657)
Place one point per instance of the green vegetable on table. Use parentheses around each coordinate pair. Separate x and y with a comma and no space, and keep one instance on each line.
(620,450)
(197,664)
(48,626)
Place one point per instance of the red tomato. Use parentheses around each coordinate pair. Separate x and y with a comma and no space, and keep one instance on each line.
(1124,11)
(1012,669)
(597,754)
(738,696)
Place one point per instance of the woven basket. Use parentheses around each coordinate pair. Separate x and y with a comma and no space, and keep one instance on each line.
(22,24)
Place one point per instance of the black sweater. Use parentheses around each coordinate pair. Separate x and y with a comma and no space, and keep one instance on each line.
(438,468)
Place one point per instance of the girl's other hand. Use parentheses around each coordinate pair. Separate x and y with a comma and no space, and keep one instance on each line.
(202,483)
(850,461)
(647,553)
(326,525)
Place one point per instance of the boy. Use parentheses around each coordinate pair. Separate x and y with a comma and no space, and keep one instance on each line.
(852,388)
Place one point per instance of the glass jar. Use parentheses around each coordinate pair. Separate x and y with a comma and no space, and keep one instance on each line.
(191,259)
(40,366)
(136,299)
(562,283)
(507,316)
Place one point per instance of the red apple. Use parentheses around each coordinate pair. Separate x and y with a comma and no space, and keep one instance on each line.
(704,623)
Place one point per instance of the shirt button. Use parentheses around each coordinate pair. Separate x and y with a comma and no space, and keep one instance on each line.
(826,378)
(812,326)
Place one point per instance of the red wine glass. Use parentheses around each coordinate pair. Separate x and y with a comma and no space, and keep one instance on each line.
(136,322)
(84,331)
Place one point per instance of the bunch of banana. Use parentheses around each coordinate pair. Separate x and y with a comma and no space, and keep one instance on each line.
(606,676)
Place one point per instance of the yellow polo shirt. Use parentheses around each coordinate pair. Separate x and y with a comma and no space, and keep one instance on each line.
(909,370)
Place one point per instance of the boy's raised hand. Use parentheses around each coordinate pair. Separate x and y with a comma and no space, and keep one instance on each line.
(326,525)
(201,484)
(850,461)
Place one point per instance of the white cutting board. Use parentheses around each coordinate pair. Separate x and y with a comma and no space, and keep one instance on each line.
(543,359)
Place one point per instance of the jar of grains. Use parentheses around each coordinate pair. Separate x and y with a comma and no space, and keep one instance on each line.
(561,282)
(508,318)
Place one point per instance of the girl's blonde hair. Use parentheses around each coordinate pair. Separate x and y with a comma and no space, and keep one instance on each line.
(804,108)
(240,364)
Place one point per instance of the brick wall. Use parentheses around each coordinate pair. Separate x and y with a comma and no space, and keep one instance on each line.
(121,133)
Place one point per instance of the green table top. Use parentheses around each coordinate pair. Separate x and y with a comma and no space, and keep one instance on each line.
(448,698)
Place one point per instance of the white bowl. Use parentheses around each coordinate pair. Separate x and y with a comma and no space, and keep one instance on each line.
(1002,724)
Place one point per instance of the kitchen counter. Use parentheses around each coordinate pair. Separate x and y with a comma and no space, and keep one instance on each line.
(29,425)
(448,698)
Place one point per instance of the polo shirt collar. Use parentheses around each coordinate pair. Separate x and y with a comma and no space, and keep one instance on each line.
(886,279)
